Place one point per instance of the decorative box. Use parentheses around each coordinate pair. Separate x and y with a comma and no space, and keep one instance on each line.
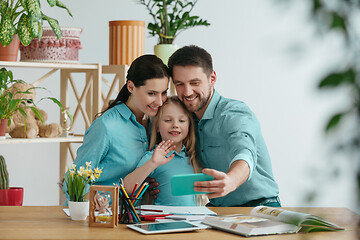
(50,49)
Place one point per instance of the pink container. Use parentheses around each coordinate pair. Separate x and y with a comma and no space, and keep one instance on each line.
(50,49)
(11,197)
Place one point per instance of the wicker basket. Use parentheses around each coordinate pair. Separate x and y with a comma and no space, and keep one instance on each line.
(50,49)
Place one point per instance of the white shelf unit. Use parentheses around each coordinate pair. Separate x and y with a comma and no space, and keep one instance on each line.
(92,96)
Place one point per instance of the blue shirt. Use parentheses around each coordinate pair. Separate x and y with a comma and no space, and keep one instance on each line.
(229,131)
(178,165)
(115,142)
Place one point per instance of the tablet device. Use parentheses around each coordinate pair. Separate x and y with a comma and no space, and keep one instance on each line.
(184,184)
(164,227)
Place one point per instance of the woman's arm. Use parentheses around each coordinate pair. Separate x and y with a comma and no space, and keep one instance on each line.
(158,158)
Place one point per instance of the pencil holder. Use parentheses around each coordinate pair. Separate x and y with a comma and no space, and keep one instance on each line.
(130,210)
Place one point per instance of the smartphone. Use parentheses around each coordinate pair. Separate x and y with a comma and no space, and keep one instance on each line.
(184,184)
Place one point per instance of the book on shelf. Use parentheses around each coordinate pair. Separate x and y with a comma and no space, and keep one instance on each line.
(267,220)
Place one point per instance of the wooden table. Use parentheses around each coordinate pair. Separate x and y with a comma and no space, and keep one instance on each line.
(50,222)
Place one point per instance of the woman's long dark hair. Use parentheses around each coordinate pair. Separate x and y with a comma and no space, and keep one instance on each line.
(141,69)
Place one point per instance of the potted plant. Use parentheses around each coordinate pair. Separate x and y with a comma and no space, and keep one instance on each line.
(24,18)
(11,101)
(9,196)
(77,183)
(170,17)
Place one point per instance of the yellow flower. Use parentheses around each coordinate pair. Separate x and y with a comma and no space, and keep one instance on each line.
(73,167)
(77,180)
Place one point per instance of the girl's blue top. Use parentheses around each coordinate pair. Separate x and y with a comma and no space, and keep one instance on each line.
(178,165)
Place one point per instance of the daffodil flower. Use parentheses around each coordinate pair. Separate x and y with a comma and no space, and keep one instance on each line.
(77,181)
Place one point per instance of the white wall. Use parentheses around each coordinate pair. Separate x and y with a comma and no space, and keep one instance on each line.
(265,53)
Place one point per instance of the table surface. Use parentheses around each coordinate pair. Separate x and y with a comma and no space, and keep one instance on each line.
(50,222)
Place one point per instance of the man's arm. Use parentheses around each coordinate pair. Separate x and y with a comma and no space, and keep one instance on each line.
(224,183)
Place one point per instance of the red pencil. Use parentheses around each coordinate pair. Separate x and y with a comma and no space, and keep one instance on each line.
(133,192)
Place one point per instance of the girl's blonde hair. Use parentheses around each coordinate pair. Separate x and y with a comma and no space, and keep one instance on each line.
(189,141)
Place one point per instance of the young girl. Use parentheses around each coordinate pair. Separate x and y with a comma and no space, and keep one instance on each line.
(175,154)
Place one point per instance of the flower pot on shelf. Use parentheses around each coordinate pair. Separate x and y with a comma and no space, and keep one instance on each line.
(12,196)
(3,124)
(11,51)
(53,50)
(126,41)
(164,51)
(78,210)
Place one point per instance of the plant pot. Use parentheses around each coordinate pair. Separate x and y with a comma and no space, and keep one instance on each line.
(11,51)
(52,50)
(3,125)
(126,41)
(164,51)
(11,197)
(79,210)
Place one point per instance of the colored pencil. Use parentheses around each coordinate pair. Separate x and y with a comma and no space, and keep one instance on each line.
(129,202)
(133,192)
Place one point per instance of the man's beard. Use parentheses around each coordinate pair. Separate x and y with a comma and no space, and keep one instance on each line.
(203,102)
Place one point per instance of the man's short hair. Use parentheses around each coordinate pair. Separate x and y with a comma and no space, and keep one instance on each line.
(191,56)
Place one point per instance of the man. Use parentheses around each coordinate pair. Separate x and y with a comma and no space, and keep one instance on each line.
(229,140)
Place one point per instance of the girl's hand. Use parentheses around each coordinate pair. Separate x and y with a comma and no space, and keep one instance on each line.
(160,152)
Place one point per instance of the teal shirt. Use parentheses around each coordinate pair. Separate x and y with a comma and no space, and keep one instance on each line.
(178,165)
(114,142)
(230,131)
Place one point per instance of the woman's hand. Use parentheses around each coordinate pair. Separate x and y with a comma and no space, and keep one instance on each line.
(160,152)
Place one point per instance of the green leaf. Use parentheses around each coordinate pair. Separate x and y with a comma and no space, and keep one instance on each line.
(7,30)
(38,114)
(34,10)
(316,6)
(336,79)
(57,102)
(334,121)
(338,22)
(3,6)
(54,24)
(24,30)
(52,3)
(61,5)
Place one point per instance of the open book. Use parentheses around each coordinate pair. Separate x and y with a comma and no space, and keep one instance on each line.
(267,220)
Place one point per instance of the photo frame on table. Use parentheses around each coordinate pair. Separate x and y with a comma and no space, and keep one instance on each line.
(106,200)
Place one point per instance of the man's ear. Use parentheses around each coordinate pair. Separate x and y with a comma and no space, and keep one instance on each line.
(130,86)
(213,78)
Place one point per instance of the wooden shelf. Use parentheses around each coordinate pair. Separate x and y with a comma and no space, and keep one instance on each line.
(49,65)
(42,140)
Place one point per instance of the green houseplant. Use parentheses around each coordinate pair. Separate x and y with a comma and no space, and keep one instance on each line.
(171,17)
(9,196)
(25,18)
(12,101)
(77,183)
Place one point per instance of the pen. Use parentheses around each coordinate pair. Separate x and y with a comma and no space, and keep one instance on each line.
(150,218)
(151,210)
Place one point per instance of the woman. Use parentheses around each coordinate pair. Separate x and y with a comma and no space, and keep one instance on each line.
(117,140)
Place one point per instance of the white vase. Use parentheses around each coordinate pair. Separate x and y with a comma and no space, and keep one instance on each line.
(164,51)
(79,210)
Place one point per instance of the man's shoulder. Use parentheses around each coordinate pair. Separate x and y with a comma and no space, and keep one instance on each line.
(229,105)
